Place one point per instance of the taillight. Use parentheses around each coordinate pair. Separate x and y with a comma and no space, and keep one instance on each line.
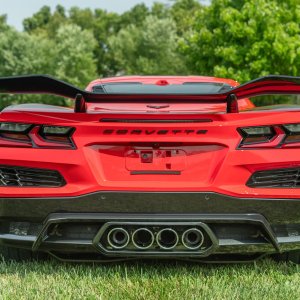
(57,134)
(36,136)
(15,127)
(256,135)
(262,137)
(292,133)
(15,134)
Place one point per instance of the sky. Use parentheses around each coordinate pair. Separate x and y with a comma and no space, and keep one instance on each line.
(17,10)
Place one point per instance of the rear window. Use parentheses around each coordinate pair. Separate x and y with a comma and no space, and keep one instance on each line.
(189,88)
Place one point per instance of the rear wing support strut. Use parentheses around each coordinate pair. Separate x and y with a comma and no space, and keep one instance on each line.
(80,104)
(232,105)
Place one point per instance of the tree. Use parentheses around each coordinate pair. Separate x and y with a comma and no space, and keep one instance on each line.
(3,24)
(184,13)
(148,49)
(45,22)
(22,54)
(134,16)
(106,25)
(245,39)
(69,56)
(38,20)
(100,23)
(160,10)
(74,60)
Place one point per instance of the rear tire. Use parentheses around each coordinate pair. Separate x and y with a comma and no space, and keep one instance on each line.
(19,254)
(292,256)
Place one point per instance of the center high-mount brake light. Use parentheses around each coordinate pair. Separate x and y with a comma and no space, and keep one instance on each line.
(273,136)
(36,136)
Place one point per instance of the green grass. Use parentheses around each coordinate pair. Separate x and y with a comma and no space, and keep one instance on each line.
(53,280)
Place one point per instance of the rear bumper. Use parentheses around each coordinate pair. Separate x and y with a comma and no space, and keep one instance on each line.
(248,228)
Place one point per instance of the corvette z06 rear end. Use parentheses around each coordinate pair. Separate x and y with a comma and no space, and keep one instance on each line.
(150,167)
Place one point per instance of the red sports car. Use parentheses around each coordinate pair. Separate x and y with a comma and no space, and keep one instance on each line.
(150,167)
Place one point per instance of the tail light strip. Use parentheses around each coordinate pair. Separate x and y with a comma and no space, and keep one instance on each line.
(274,136)
(36,136)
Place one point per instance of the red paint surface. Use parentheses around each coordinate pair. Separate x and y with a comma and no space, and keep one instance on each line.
(207,161)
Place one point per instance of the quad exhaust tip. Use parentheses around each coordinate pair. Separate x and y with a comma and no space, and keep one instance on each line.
(167,238)
(192,238)
(143,238)
(118,238)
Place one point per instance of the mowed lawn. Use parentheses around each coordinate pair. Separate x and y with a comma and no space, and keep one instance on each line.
(54,280)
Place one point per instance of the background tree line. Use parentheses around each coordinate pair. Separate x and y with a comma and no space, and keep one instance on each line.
(240,39)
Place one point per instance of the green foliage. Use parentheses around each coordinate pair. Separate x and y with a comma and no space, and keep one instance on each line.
(135,16)
(38,20)
(184,13)
(44,22)
(3,22)
(148,49)
(245,39)
(23,54)
(69,56)
(74,61)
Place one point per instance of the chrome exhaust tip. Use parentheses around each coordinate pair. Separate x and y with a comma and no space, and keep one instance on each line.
(192,239)
(167,238)
(142,238)
(118,238)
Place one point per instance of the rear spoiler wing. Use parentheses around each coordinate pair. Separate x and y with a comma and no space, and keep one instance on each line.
(44,84)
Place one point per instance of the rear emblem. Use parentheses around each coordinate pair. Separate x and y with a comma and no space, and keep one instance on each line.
(153,131)
(158,106)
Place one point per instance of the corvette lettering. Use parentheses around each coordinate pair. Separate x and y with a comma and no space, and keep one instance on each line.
(153,131)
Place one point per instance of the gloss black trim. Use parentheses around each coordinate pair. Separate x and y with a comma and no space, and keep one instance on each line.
(284,178)
(24,177)
(208,208)
(275,210)
(150,121)
(220,247)
(44,84)
(155,172)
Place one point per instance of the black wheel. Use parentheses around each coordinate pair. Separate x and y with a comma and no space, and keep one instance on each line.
(18,254)
(292,256)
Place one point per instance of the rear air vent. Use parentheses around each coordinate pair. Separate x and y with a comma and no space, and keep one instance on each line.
(29,177)
(279,178)
(117,120)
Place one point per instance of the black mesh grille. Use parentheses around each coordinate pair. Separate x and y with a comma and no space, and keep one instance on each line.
(29,177)
(279,178)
